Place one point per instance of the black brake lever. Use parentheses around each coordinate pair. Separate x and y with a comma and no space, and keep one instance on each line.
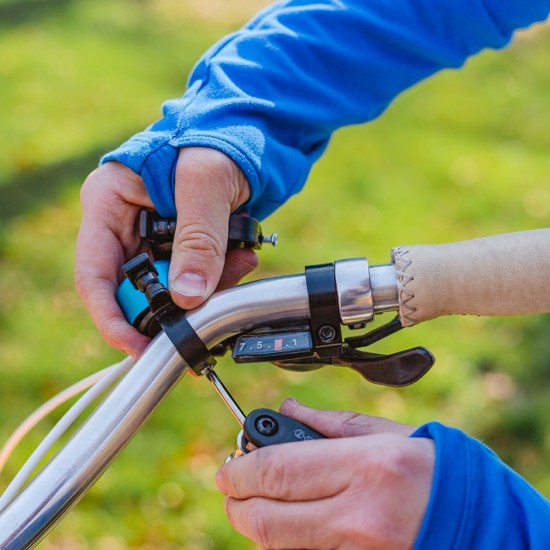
(397,369)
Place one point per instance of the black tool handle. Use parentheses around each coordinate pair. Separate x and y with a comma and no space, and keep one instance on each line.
(265,427)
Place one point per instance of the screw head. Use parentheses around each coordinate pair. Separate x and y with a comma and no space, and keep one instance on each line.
(266,425)
(272,239)
(327,334)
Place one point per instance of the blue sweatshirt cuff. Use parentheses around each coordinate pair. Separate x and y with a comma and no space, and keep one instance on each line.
(477,501)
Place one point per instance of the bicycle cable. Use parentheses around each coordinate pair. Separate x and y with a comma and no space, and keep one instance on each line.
(96,384)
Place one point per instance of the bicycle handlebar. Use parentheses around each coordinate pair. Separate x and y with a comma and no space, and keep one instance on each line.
(65,479)
(425,282)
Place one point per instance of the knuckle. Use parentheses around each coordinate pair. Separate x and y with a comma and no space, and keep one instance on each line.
(259,525)
(353,424)
(399,458)
(229,509)
(362,424)
(272,475)
(229,478)
(249,518)
(195,237)
(393,465)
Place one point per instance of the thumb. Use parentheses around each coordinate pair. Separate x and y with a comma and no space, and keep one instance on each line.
(342,423)
(209,186)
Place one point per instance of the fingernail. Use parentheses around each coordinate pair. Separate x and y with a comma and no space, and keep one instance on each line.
(295,401)
(190,284)
(291,402)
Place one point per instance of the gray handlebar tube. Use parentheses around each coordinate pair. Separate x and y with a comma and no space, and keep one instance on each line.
(74,469)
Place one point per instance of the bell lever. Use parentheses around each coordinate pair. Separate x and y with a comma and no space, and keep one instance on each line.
(243,232)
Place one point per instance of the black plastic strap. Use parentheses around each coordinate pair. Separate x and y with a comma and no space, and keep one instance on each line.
(186,341)
(144,276)
(323,309)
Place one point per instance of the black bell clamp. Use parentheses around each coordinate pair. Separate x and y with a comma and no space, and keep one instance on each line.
(166,315)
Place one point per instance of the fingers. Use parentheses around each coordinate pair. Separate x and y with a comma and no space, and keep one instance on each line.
(342,423)
(270,473)
(274,524)
(98,296)
(302,471)
(209,186)
(111,198)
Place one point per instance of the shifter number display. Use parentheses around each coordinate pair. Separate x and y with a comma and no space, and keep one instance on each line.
(276,346)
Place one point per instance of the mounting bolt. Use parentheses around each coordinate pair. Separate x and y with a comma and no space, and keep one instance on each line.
(327,334)
(272,239)
(266,425)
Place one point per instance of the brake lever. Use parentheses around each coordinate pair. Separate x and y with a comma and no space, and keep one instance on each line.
(396,369)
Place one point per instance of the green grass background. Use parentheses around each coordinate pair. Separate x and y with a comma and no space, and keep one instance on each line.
(463,155)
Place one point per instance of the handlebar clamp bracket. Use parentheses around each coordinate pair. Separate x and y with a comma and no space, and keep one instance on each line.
(143,275)
(324,310)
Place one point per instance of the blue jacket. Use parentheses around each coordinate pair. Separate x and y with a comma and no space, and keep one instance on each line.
(270,96)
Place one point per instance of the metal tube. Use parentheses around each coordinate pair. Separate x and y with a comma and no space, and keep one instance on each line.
(383,282)
(64,480)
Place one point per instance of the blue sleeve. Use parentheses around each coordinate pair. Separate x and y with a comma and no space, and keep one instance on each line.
(270,95)
(478,502)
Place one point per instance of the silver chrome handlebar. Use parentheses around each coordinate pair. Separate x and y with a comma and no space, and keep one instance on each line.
(362,292)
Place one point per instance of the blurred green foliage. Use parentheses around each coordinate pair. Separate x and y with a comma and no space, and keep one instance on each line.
(464,154)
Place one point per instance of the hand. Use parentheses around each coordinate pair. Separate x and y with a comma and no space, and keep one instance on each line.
(209,186)
(367,488)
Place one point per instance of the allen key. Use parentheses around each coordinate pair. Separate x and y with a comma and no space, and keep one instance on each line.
(223,392)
